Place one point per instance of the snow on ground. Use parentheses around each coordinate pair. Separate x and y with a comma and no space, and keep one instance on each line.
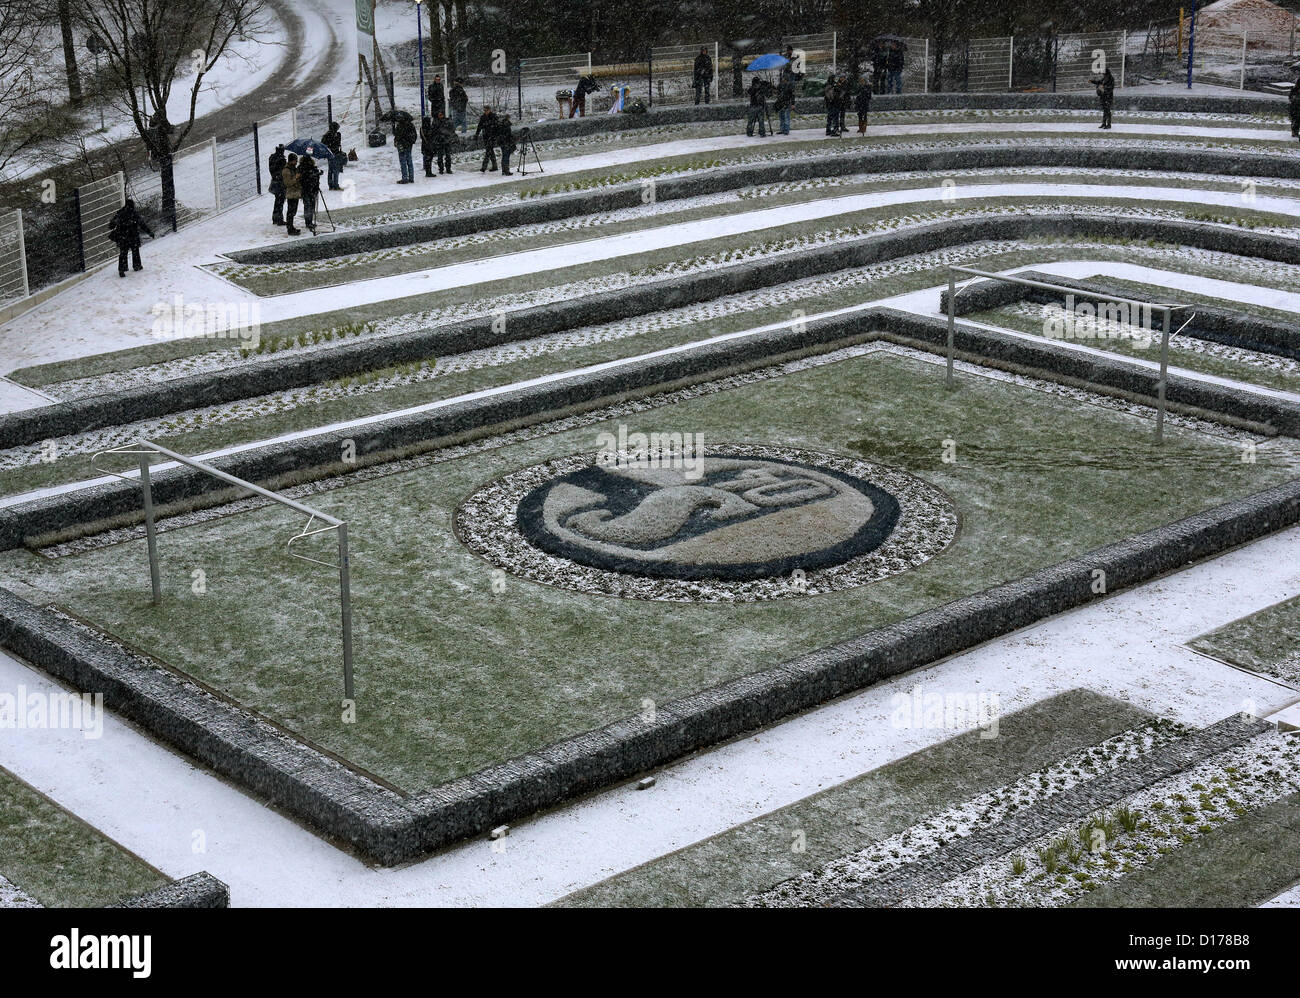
(1130,645)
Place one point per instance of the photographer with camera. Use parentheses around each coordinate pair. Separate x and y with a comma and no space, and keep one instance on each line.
(1105,85)
(758,92)
(505,138)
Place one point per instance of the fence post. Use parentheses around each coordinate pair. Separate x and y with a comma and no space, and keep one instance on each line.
(965,80)
(1123,56)
(519,85)
(257,160)
(717,94)
(925,69)
(835,51)
(81,237)
(1056,45)
(1011,63)
(650,77)
(1242,84)
(22,251)
(216,177)
(329,108)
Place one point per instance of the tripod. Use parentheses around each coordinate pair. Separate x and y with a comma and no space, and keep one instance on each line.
(333,227)
(526,143)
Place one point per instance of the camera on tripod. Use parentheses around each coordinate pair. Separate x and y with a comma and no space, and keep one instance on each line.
(528,150)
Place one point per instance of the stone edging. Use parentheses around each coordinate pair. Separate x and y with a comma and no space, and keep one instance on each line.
(201,890)
(258,377)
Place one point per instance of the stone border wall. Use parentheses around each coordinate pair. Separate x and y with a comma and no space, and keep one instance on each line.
(854,160)
(201,890)
(258,377)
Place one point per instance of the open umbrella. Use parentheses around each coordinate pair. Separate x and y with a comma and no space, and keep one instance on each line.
(398,115)
(887,39)
(308,147)
(767,62)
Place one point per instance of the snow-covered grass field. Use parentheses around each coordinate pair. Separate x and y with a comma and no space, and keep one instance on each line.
(473,649)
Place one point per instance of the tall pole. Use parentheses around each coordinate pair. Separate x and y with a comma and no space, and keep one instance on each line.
(345,602)
(1164,374)
(419,35)
(952,325)
(1191,45)
(146,489)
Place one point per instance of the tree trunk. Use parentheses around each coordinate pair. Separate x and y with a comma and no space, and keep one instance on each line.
(69,53)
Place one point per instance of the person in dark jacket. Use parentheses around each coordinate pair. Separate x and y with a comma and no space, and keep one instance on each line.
(292,193)
(784,102)
(276,165)
(505,138)
(702,75)
(1294,104)
(426,145)
(487,124)
(831,97)
(124,229)
(862,100)
(309,183)
(333,141)
(437,98)
(757,113)
(894,60)
(1105,85)
(879,63)
(404,137)
(459,101)
(444,139)
(846,99)
(586,85)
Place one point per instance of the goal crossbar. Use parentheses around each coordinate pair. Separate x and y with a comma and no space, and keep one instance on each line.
(145,450)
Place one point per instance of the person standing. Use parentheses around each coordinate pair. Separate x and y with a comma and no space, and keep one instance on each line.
(459,101)
(444,137)
(505,138)
(276,165)
(1294,104)
(757,113)
(846,98)
(426,145)
(863,102)
(292,193)
(1105,85)
(124,229)
(437,98)
(784,102)
(404,137)
(333,141)
(832,100)
(487,124)
(894,67)
(702,75)
(309,182)
(879,64)
(586,85)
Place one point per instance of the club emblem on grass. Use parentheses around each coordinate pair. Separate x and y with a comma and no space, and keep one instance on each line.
(746,517)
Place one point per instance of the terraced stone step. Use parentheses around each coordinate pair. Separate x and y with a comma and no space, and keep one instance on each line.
(1068,807)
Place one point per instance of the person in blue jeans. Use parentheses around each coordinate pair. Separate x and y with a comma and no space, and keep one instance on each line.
(784,102)
(404,137)
(894,68)
(458,101)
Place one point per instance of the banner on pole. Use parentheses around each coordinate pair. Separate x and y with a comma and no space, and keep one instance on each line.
(365,18)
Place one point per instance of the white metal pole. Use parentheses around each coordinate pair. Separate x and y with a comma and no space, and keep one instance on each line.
(151,537)
(952,325)
(1011,62)
(216,177)
(1242,84)
(717,94)
(835,65)
(1164,373)
(345,602)
(22,251)
(925,69)
(1123,56)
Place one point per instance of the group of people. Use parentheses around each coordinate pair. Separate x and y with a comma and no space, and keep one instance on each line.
(295,182)
(497,132)
(887,61)
(841,93)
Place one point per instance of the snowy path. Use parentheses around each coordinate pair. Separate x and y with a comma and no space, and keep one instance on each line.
(503,267)
(1129,645)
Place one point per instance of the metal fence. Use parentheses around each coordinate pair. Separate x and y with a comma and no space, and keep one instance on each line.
(818,53)
(1081,57)
(1258,60)
(988,64)
(539,79)
(672,73)
(97,202)
(13,257)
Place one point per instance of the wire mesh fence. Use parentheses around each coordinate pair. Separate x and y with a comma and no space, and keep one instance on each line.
(238,169)
(673,73)
(13,258)
(97,202)
(539,79)
(1082,57)
(988,64)
(311,120)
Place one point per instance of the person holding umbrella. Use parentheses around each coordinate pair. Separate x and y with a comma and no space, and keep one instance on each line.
(333,141)
(784,103)
(894,66)
(124,229)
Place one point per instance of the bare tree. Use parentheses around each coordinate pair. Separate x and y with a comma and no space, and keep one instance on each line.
(22,98)
(150,46)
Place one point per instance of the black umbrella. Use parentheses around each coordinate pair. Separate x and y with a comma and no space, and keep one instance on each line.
(397,115)
(888,39)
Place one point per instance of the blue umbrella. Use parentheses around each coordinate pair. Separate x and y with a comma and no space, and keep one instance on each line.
(308,147)
(767,62)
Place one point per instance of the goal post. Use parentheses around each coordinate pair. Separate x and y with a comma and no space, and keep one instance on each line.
(1166,312)
(317,523)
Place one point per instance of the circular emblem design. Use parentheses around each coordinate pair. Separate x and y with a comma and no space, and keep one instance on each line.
(739,524)
(732,518)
